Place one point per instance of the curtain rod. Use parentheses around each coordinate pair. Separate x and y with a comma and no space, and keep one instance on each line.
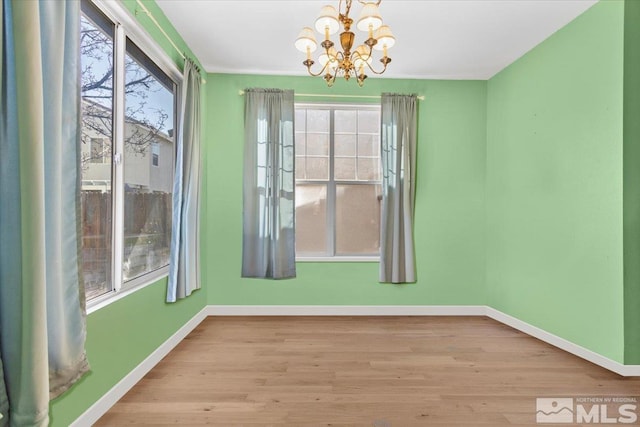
(420,97)
(164,33)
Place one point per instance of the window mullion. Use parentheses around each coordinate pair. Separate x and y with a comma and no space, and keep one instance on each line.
(331,190)
(118,157)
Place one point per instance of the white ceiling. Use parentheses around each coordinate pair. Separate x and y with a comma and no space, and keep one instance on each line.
(437,39)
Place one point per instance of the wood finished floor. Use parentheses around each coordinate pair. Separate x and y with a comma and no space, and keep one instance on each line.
(358,371)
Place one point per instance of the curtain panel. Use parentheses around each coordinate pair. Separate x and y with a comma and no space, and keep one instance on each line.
(184,265)
(398,154)
(268,241)
(42,305)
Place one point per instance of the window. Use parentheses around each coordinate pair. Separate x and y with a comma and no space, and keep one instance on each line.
(338,188)
(128,119)
(98,150)
(155,153)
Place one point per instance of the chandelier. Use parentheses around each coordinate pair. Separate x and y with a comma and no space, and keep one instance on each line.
(349,62)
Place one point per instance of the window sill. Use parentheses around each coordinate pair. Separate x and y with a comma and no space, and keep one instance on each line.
(366,258)
(129,288)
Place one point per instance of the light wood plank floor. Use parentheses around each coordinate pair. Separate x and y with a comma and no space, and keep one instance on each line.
(358,371)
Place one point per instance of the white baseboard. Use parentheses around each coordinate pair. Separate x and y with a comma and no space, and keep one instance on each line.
(109,399)
(568,346)
(102,405)
(346,310)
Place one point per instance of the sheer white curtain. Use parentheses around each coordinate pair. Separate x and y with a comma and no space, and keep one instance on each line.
(268,241)
(184,266)
(398,139)
(42,321)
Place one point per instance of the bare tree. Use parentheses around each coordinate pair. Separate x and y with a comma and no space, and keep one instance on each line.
(142,123)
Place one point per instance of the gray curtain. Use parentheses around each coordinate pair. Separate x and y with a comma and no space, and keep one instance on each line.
(42,313)
(268,240)
(398,139)
(184,265)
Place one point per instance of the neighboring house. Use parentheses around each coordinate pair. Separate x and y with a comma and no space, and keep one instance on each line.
(148,167)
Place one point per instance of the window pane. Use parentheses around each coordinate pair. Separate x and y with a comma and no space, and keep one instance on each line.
(155,154)
(345,121)
(345,168)
(317,144)
(96,47)
(99,150)
(300,168)
(368,145)
(311,219)
(301,116)
(368,121)
(357,219)
(345,145)
(318,168)
(301,149)
(318,121)
(149,122)
(368,169)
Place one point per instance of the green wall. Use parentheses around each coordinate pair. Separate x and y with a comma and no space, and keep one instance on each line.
(449,225)
(554,184)
(124,333)
(519,202)
(632,182)
(119,337)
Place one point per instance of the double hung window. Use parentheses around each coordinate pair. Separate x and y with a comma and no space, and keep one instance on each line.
(337,181)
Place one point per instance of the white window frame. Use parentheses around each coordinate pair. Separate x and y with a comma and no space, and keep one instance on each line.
(331,184)
(126,26)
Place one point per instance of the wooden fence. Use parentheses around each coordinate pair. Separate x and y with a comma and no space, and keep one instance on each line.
(147,236)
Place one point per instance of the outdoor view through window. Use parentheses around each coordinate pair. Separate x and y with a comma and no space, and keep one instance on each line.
(337,180)
(145,150)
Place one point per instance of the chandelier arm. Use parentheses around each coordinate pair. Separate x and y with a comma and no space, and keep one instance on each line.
(356,55)
(329,78)
(371,49)
(326,65)
(319,72)
(383,69)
